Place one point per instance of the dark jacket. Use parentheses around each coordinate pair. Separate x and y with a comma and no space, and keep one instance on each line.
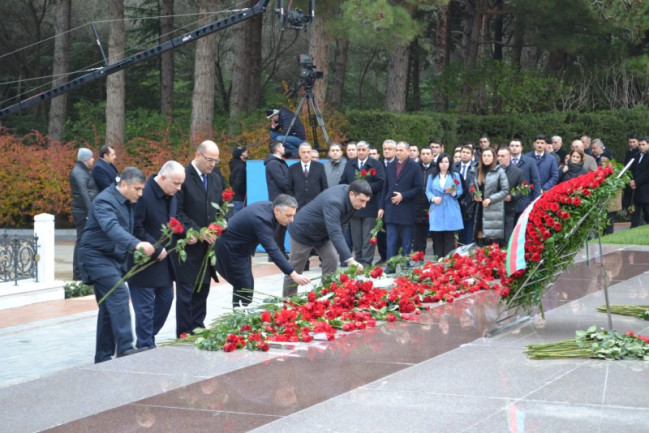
(105,174)
(153,210)
(423,204)
(306,189)
(409,185)
(640,171)
(285,118)
(531,175)
(238,178)
(195,210)
(276,177)
(108,238)
(376,182)
(467,204)
(548,169)
(83,188)
(514,179)
(251,226)
(322,220)
(574,170)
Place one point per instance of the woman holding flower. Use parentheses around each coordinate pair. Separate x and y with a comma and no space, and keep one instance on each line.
(444,215)
(574,167)
(490,189)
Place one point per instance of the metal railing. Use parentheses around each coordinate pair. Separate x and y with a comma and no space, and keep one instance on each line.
(18,258)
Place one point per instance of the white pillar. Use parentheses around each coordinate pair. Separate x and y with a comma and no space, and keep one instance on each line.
(44,229)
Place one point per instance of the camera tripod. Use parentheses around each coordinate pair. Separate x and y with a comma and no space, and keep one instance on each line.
(315,117)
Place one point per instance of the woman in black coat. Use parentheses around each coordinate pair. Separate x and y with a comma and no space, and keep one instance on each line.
(574,167)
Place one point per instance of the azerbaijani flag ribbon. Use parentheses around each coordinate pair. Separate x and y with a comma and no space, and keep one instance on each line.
(516,247)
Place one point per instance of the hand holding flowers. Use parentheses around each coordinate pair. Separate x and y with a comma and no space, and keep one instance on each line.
(522,190)
(453,188)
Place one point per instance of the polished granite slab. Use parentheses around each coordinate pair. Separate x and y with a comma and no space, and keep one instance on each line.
(439,374)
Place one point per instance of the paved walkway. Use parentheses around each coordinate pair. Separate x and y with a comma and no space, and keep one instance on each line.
(436,375)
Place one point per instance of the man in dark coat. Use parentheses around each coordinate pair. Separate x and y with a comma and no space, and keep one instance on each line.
(202,188)
(281,130)
(546,164)
(398,205)
(84,190)
(238,177)
(468,169)
(152,290)
(306,178)
(530,175)
(631,153)
(105,172)
(364,220)
(254,225)
(514,179)
(319,226)
(422,224)
(640,183)
(278,183)
(105,245)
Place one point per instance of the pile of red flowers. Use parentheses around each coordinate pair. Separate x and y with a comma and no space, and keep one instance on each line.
(350,303)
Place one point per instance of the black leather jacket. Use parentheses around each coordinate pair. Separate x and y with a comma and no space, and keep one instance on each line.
(83,187)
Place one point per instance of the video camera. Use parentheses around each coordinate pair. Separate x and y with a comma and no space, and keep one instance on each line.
(295,19)
(308,74)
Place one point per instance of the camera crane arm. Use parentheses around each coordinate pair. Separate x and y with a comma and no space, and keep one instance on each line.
(101,73)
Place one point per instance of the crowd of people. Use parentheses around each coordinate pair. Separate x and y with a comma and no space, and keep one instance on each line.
(470,194)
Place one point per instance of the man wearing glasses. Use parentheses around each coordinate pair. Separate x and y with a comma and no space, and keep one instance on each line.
(203,186)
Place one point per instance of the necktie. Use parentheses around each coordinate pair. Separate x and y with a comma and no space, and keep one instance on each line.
(515,161)
(360,164)
(306,171)
(538,157)
(640,159)
(464,171)
(204,177)
(399,168)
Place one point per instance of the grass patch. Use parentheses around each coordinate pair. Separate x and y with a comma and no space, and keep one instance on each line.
(634,236)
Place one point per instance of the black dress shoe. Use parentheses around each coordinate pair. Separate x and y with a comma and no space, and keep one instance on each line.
(132,351)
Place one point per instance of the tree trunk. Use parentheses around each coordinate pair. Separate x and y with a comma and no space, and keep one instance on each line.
(167,60)
(319,45)
(204,77)
(58,105)
(340,68)
(255,71)
(414,75)
(498,32)
(397,81)
(241,77)
(115,83)
(443,44)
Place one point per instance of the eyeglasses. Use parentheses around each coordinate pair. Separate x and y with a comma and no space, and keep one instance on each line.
(210,160)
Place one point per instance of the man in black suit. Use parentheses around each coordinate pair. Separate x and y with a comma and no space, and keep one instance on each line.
(389,149)
(152,290)
(364,220)
(398,204)
(530,175)
(468,171)
(203,186)
(640,183)
(631,153)
(307,178)
(319,226)
(515,179)
(422,224)
(104,171)
(254,225)
(277,182)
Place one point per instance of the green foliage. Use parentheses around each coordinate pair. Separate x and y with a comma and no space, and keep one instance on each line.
(612,127)
(378,23)
(634,236)
(77,289)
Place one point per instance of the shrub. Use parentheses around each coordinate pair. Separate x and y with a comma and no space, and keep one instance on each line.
(76,289)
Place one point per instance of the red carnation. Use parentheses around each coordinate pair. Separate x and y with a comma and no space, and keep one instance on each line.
(363,172)
(372,172)
(531,186)
(455,181)
(215,228)
(391,318)
(373,241)
(227,195)
(376,272)
(472,189)
(175,226)
(418,256)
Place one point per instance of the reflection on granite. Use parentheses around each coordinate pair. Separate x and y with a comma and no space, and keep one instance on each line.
(409,373)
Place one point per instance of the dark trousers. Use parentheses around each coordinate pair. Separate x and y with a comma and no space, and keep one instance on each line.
(640,208)
(114,331)
(360,232)
(80,224)
(466,234)
(151,306)
(392,234)
(509,225)
(420,237)
(443,243)
(381,245)
(191,307)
